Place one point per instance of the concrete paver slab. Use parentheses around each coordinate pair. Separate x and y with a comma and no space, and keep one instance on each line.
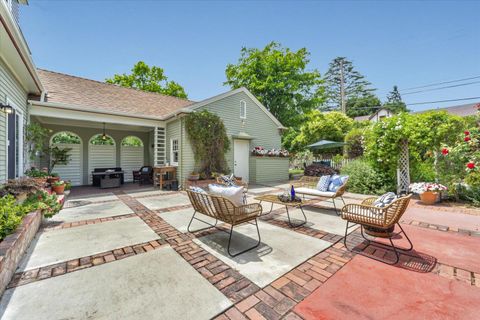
(166,201)
(279,252)
(95,198)
(92,211)
(55,246)
(318,219)
(154,285)
(367,289)
(146,193)
(254,189)
(450,218)
(179,219)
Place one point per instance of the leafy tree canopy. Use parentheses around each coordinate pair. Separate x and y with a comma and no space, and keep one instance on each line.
(66,137)
(279,78)
(146,78)
(355,85)
(394,102)
(362,105)
(319,125)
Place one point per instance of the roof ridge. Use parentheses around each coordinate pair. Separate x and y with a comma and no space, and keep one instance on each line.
(116,85)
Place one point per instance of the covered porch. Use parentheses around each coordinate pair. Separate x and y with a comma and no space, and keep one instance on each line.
(100,140)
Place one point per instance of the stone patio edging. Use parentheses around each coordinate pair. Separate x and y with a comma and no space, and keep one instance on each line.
(14,245)
(438,227)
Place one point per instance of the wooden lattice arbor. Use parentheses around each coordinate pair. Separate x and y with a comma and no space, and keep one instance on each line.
(403,168)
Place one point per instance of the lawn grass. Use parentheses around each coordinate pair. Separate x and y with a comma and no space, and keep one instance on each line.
(295,171)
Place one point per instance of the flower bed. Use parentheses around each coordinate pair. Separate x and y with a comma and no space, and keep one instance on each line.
(14,245)
(262,152)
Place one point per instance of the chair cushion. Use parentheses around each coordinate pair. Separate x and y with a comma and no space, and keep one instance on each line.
(228,180)
(385,199)
(233,193)
(197,189)
(323,183)
(314,192)
(336,181)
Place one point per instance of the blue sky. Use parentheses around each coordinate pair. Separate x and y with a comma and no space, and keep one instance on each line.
(404,43)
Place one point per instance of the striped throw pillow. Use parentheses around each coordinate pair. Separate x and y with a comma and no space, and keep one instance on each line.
(385,199)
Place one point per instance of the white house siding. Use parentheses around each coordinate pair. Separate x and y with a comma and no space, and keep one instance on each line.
(10,89)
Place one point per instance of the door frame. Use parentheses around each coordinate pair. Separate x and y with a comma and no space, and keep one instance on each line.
(17,112)
(247,157)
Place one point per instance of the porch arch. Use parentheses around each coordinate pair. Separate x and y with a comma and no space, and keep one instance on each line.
(102,153)
(72,171)
(131,155)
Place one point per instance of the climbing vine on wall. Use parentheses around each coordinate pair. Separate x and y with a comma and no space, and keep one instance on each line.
(209,141)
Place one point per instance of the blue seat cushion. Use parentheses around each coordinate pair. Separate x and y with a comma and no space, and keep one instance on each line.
(336,181)
(385,199)
(323,183)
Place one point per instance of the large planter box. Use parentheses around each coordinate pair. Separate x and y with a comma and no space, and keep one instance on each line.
(268,169)
(15,244)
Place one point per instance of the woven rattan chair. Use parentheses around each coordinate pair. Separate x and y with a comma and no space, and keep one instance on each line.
(220,208)
(239,183)
(377,222)
(307,185)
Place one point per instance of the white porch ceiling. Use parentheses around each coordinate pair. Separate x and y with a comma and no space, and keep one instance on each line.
(90,124)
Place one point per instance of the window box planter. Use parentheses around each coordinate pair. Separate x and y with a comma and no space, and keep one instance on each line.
(15,244)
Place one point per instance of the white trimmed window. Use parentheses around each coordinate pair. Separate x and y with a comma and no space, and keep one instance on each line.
(243,110)
(174,152)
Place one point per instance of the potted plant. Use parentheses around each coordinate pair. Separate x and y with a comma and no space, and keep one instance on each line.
(194,176)
(58,187)
(40,176)
(429,192)
(53,177)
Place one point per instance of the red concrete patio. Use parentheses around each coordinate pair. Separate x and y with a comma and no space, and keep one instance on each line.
(366,289)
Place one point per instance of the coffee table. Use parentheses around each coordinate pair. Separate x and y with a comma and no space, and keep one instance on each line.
(273,199)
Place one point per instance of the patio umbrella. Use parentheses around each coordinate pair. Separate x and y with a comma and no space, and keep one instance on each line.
(325,144)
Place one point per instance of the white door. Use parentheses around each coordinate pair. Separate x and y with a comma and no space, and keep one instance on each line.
(100,156)
(73,170)
(131,158)
(241,152)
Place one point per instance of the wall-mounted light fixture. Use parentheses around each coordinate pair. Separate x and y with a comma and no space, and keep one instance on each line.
(6,108)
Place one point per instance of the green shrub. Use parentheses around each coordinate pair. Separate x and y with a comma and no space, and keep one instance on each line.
(47,203)
(365,179)
(354,143)
(11,215)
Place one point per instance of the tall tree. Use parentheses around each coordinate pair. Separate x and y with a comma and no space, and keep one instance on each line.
(146,78)
(279,78)
(363,105)
(394,101)
(344,83)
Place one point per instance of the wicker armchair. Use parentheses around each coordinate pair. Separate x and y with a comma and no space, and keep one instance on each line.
(307,185)
(220,208)
(377,222)
(239,183)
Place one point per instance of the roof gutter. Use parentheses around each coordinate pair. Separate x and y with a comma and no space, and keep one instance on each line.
(90,110)
(27,61)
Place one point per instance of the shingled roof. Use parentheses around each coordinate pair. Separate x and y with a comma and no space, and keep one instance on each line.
(90,94)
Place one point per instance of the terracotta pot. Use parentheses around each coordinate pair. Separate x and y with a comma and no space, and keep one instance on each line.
(429,197)
(53,179)
(58,189)
(193,177)
(40,180)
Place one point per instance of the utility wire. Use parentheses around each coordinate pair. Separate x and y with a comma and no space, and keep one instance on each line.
(451,100)
(439,83)
(445,87)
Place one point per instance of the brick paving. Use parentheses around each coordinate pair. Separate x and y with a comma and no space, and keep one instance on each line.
(32,275)
(438,227)
(66,225)
(278,299)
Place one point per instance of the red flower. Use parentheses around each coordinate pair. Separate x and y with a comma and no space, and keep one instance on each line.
(444,151)
(467,133)
(467,138)
(470,165)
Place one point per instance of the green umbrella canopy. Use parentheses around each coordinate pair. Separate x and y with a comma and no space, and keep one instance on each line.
(325,144)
